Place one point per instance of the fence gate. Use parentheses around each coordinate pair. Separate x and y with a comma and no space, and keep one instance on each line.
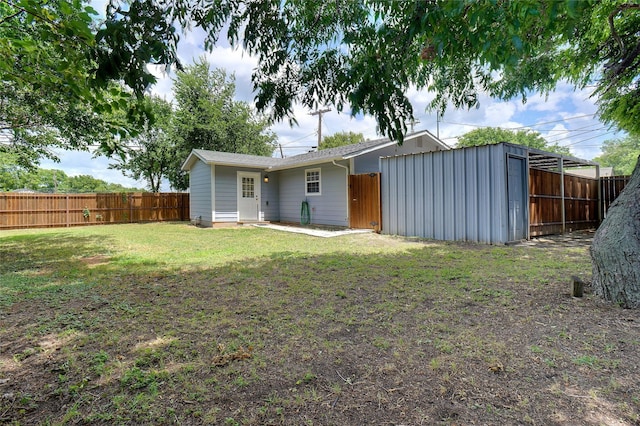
(364,202)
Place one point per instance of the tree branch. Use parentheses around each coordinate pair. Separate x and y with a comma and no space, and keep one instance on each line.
(612,15)
(55,26)
(8,18)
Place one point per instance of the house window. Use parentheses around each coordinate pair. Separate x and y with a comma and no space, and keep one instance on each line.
(312,182)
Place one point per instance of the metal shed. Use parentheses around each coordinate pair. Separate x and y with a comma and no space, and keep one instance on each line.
(479,194)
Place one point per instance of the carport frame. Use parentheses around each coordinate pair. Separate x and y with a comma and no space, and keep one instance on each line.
(552,162)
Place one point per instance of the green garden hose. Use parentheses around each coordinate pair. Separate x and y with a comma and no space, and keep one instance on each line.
(305,215)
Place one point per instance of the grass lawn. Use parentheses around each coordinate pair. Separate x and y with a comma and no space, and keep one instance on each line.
(171,324)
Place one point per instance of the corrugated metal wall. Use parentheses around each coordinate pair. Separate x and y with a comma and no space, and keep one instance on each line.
(459,194)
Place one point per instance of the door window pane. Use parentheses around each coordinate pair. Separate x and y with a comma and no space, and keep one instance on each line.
(248,187)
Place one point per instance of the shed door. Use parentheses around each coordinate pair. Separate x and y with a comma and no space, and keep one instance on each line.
(248,196)
(517,187)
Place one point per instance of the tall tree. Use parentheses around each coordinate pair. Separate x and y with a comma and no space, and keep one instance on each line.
(208,117)
(492,135)
(61,70)
(151,153)
(44,96)
(615,251)
(621,154)
(340,139)
(10,172)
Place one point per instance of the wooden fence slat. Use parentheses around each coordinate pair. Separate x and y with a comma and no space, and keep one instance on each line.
(55,210)
(580,200)
(611,187)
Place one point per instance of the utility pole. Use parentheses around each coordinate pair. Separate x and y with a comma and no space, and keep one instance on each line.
(412,124)
(319,114)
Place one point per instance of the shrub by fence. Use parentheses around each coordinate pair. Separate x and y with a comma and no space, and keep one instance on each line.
(57,210)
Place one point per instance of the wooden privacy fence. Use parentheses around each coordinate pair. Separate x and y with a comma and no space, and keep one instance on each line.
(555,208)
(610,188)
(56,210)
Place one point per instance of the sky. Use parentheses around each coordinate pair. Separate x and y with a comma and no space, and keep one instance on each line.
(567,116)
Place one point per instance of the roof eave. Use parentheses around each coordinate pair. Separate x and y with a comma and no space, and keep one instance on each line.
(191,159)
(387,143)
(368,150)
(195,155)
(235,164)
(313,162)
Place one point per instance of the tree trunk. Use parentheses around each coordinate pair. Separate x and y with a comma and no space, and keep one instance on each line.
(615,252)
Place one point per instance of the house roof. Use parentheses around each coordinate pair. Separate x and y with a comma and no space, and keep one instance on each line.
(309,158)
(229,159)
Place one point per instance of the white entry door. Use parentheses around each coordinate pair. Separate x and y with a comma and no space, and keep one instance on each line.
(248,196)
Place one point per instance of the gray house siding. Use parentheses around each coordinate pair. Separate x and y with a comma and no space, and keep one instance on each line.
(329,208)
(271,198)
(226,205)
(226,194)
(448,195)
(369,162)
(200,205)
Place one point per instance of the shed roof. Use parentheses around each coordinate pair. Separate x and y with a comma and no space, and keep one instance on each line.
(550,161)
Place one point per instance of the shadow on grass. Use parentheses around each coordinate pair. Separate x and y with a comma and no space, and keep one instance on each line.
(441,334)
(43,265)
(29,252)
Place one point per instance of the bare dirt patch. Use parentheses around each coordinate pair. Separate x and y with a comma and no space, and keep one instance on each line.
(94,260)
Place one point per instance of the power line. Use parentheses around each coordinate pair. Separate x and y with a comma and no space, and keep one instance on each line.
(464,124)
(297,140)
(555,121)
(588,139)
(570,130)
(525,126)
(574,135)
(529,126)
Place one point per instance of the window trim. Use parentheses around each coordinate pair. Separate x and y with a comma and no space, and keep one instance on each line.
(307,181)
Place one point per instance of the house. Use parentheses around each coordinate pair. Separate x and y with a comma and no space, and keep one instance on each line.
(321,187)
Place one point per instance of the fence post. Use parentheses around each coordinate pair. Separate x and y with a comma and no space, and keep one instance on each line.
(562,206)
(599,213)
